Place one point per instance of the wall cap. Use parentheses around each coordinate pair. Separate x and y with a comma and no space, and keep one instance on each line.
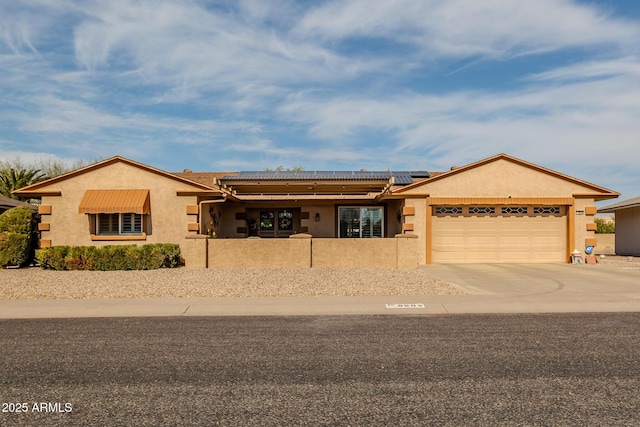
(196,236)
(406,236)
(301,236)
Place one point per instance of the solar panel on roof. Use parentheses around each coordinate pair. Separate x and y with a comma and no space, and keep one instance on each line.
(402,178)
(420,174)
(303,175)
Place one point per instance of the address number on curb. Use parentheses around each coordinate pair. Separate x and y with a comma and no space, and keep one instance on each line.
(405,305)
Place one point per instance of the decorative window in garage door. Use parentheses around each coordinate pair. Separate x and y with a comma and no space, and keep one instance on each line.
(449,210)
(546,210)
(514,210)
(482,210)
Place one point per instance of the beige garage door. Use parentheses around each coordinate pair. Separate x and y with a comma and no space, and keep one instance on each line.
(497,234)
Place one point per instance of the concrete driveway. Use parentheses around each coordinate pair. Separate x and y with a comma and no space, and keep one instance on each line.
(527,288)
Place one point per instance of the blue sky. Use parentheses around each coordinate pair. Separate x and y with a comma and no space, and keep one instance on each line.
(339,85)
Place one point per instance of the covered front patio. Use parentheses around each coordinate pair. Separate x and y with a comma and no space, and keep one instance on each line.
(303,220)
(322,204)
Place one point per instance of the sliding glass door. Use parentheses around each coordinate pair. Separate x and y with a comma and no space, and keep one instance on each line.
(361,222)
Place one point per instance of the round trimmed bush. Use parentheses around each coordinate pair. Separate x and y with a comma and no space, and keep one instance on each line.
(18,236)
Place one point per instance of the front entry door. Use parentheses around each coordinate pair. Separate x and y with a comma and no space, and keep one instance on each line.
(278,222)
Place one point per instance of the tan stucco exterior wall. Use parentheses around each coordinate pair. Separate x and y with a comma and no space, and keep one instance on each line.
(259,253)
(326,227)
(393,211)
(228,222)
(168,222)
(418,220)
(628,231)
(582,216)
(501,178)
(211,217)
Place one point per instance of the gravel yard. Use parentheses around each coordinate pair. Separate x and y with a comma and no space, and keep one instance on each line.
(621,262)
(34,283)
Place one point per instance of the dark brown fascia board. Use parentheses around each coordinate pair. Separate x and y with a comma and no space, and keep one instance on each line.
(394,196)
(199,193)
(598,196)
(223,196)
(44,193)
(503,156)
(307,197)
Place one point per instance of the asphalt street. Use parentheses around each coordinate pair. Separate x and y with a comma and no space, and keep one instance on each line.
(485,370)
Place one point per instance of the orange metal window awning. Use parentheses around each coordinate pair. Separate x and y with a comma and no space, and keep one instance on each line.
(115,201)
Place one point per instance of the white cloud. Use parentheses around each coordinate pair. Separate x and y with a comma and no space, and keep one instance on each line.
(65,116)
(194,51)
(29,158)
(466,28)
(25,24)
(590,123)
(592,69)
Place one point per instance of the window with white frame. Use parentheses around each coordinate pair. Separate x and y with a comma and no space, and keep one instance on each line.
(119,224)
(361,222)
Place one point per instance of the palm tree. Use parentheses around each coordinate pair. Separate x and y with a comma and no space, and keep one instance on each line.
(12,179)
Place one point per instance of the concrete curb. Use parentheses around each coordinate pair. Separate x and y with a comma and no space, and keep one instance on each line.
(298,306)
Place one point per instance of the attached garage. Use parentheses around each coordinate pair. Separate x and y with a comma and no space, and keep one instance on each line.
(499,234)
(501,210)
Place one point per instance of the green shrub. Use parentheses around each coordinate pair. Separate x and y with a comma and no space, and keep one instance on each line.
(604,227)
(171,253)
(14,249)
(52,258)
(21,220)
(19,236)
(150,257)
(79,258)
(108,258)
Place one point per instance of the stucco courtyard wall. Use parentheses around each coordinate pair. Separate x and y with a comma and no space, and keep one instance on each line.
(300,252)
(259,253)
(400,252)
(606,244)
(195,251)
(354,253)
